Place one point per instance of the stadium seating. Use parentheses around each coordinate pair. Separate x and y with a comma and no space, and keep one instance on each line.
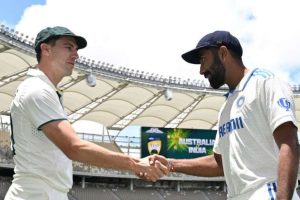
(5,152)
(4,138)
(137,194)
(92,193)
(95,191)
(5,182)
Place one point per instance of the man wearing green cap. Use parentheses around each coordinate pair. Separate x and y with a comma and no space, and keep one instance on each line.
(43,141)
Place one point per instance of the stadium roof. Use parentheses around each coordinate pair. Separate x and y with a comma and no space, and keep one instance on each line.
(121,96)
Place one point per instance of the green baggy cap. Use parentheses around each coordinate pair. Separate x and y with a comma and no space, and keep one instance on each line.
(49,32)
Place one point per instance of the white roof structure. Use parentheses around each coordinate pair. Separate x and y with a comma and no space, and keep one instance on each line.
(121,97)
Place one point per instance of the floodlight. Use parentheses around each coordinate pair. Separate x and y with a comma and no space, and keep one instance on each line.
(168,94)
(91,79)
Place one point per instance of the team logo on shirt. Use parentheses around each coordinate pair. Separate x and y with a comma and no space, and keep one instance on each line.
(240,101)
(286,104)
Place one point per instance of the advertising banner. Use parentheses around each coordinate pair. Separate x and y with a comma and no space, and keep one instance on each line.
(177,142)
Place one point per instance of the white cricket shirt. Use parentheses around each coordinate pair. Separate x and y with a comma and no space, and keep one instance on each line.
(37,103)
(247,120)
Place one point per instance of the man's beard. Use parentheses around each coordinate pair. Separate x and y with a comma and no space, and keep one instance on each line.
(218,77)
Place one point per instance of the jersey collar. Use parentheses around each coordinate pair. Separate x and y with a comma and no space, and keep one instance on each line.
(40,74)
(242,84)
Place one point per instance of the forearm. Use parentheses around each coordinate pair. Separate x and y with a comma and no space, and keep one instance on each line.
(288,159)
(204,166)
(287,171)
(87,152)
(84,151)
(96,155)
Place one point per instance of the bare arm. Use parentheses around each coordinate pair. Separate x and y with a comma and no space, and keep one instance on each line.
(204,166)
(65,138)
(286,138)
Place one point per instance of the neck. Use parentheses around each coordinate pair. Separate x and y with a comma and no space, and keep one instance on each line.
(52,76)
(236,76)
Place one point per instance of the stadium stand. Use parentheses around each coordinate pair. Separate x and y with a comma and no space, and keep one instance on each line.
(185,194)
(4,185)
(92,193)
(117,191)
(4,138)
(5,152)
(137,194)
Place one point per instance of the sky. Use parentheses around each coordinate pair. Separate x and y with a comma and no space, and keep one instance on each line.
(150,36)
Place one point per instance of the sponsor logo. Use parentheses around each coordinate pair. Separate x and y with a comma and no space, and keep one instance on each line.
(154,145)
(284,103)
(233,124)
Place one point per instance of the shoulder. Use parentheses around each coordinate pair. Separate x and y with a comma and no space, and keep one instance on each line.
(262,74)
(267,84)
(33,88)
(260,77)
(267,78)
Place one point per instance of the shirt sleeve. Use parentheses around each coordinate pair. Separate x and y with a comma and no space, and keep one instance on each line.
(43,106)
(278,103)
(216,148)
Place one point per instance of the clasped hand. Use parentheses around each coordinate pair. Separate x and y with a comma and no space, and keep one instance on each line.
(152,168)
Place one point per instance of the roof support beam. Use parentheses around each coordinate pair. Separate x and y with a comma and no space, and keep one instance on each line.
(179,118)
(3,48)
(71,82)
(75,116)
(125,121)
(12,77)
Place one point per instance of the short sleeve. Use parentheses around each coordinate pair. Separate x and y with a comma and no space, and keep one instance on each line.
(43,106)
(216,148)
(278,103)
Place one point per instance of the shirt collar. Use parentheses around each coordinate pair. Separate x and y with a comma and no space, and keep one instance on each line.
(40,74)
(242,84)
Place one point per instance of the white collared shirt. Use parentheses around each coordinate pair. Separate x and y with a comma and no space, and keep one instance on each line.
(247,120)
(35,104)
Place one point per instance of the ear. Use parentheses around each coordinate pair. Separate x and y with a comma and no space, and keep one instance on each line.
(45,48)
(223,52)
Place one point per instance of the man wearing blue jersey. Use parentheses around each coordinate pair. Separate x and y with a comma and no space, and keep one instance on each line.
(256,146)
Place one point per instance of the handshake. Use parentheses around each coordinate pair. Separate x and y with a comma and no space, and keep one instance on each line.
(152,168)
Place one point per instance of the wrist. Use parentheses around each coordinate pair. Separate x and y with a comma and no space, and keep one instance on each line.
(171,165)
(132,164)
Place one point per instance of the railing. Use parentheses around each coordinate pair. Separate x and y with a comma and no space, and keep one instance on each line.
(128,145)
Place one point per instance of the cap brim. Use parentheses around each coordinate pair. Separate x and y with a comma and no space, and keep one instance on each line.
(192,56)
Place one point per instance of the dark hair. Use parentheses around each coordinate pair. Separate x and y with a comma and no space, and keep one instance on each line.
(51,41)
